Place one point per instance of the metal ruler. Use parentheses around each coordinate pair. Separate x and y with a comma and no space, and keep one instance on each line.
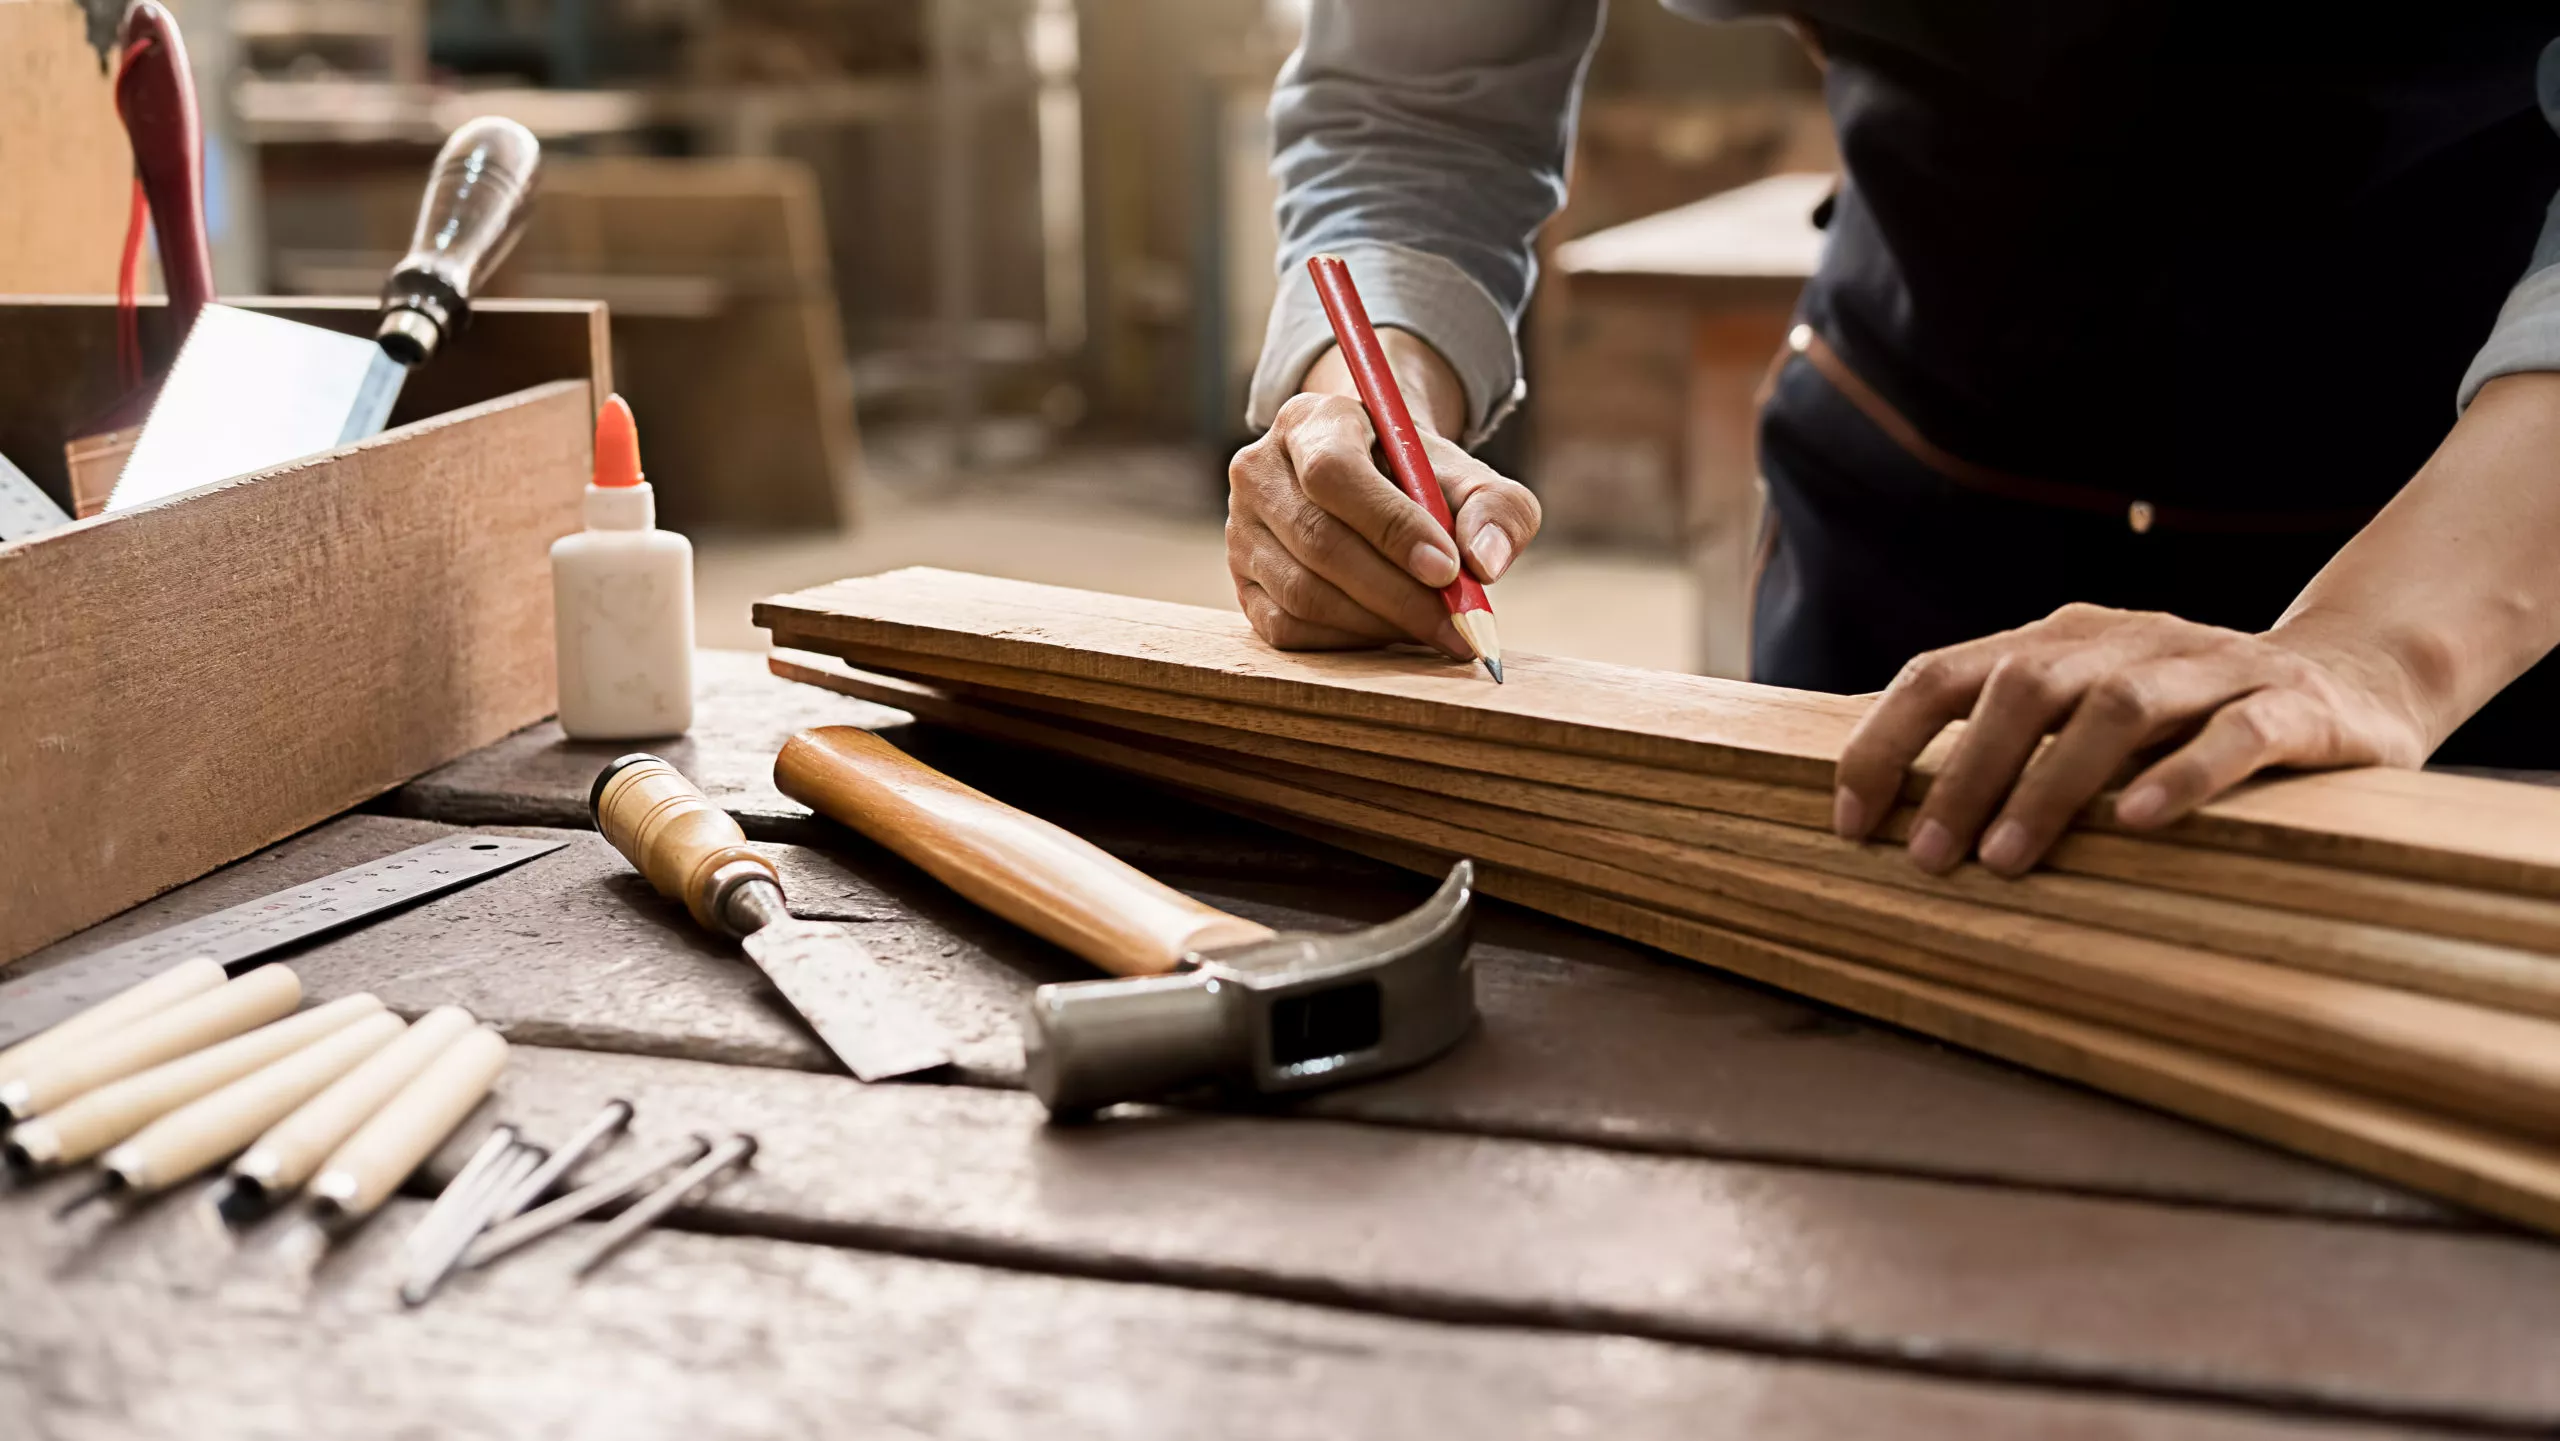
(253,929)
(25,509)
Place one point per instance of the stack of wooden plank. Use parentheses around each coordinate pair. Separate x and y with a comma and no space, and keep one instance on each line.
(2360,965)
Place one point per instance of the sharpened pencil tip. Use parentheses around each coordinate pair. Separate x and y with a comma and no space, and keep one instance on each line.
(1494,666)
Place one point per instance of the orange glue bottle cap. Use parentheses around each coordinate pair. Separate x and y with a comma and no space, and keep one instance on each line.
(617,444)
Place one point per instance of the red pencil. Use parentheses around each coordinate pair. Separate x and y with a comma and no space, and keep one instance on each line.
(1406,459)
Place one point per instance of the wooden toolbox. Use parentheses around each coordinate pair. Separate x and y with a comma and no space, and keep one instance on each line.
(185,682)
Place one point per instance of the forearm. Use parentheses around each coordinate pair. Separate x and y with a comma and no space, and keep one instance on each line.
(1426,144)
(2452,591)
(1431,389)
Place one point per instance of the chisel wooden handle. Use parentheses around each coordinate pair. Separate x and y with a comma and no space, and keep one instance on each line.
(266,994)
(99,1118)
(671,832)
(361,1174)
(286,1155)
(210,1128)
(1039,877)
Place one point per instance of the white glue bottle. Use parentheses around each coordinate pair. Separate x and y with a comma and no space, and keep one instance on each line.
(623,593)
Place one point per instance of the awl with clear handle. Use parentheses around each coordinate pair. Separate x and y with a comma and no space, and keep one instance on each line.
(693,851)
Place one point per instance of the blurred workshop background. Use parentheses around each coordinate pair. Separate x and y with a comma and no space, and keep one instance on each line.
(978,283)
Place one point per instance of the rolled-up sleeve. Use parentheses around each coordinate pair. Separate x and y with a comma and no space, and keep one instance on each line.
(1424,143)
(2527,334)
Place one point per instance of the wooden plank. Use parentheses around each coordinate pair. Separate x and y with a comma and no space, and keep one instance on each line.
(1578,707)
(2459,912)
(2433,826)
(2466,1060)
(2492,974)
(2463,1059)
(159,1329)
(2391,1321)
(2511,1177)
(1586,1039)
(195,679)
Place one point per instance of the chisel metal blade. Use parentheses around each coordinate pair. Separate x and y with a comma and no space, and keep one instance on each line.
(849,998)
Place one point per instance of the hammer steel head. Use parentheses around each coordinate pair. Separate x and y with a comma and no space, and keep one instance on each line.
(1293,1013)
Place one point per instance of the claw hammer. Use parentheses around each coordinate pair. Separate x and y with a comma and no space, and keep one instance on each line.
(1198,996)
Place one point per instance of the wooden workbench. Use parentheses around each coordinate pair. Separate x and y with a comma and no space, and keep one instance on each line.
(1641,1201)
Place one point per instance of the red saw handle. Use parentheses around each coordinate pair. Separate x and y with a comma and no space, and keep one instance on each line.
(156,98)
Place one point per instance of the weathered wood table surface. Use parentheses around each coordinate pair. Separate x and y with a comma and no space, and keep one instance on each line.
(1641,1201)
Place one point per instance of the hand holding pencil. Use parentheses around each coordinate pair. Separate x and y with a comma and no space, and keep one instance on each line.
(1327,550)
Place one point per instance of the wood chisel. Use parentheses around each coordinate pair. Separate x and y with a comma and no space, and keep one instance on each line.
(236,938)
(693,851)
(1202,996)
(251,391)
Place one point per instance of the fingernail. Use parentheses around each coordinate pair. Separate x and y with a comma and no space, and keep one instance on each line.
(1449,640)
(2005,849)
(1933,847)
(1848,815)
(1432,564)
(2142,805)
(1493,552)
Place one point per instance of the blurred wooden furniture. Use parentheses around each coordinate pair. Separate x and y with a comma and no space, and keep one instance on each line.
(1734,263)
(66,174)
(726,338)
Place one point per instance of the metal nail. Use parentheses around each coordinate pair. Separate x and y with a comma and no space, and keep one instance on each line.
(619,1231)
(532,1226)
(430,1268)
(602,1128)
(459,1191)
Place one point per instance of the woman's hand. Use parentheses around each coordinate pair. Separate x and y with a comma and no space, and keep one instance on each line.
(1326,552)
(2105,685)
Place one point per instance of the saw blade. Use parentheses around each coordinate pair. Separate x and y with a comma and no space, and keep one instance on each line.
(848,998)
(25,510)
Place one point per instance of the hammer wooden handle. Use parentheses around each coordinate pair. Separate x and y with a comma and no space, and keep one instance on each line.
(1024,869)
(671,832)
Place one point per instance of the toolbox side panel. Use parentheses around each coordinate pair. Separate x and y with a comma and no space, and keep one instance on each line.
(186,682)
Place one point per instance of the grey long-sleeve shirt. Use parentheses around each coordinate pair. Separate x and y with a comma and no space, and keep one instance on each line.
(1427,142)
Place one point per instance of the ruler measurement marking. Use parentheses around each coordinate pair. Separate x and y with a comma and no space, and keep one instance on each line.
(239,933)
